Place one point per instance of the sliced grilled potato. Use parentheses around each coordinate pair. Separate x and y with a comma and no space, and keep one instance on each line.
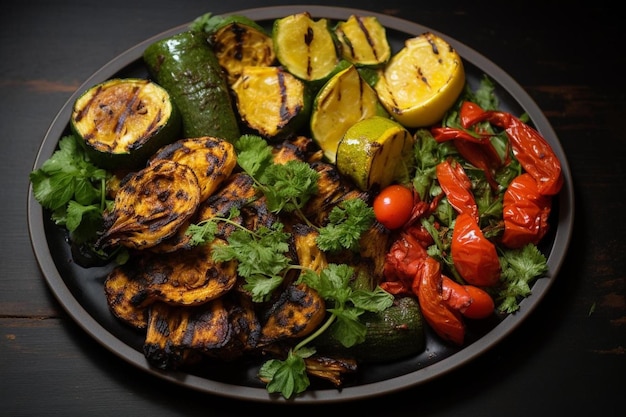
(151,205)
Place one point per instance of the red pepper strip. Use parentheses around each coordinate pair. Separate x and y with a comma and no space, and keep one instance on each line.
(480,156)
(478,151)
(530,148)
(475,257)
(401,264)
(457,187)
(470,114)
(443,134)
(455,295)
(525,212)
(445,321)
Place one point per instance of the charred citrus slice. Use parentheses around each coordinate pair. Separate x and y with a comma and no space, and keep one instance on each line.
(375,152)
(422,81)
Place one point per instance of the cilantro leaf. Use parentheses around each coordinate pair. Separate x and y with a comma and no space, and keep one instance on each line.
(520,267)
(287,377)
(347,222)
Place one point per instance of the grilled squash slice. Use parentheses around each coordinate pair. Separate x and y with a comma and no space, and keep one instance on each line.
(123,121)
(151,205)
(305,47)
(271,101)
(211,159)
(239,42)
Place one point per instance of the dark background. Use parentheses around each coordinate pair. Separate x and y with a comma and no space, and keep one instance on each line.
(567,358)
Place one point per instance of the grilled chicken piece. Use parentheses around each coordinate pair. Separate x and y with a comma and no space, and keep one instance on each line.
(211,159)
(174,333)
(296,312)
(151,205)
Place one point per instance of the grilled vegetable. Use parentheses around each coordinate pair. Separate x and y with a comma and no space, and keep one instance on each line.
(175,333)
(363,41)
(239,42)
(211,159)
(395,333)
(344,100)
(186,66)
(123,288)
(375,152)
(271,101)
(123,121)
(422,81)
(296,312)
(305,47)
(151,205)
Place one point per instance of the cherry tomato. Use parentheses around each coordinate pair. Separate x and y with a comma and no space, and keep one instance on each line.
(482,304)
(393,206)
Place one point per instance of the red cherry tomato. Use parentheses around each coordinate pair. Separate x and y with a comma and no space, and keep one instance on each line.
(482,304)
(393,206)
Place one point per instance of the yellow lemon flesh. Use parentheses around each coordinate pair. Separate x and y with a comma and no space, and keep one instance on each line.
(422,81)
(375,152)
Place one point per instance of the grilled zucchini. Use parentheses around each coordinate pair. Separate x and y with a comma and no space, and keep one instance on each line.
(363,41)
(271,101)
(239,42)
(305,47)
(121,122)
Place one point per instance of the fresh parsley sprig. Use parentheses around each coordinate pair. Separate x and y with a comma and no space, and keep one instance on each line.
(73,188)
(520,267)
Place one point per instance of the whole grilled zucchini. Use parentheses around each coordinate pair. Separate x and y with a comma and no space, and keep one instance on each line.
(186,66)
(393,334)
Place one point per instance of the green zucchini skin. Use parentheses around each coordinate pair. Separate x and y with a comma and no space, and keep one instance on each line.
(186,66)
(393,334)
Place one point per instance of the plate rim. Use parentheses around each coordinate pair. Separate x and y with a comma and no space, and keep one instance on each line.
(466,354)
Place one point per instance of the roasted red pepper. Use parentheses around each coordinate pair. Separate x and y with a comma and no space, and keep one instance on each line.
(457,187)
(525,212)
(475,257)
(477,150)
(532,151)
(445,321)
(403,260)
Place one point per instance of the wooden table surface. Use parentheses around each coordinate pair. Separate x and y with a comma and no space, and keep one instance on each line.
(567,358)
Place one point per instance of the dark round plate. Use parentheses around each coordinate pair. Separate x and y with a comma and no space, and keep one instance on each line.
(80,290)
